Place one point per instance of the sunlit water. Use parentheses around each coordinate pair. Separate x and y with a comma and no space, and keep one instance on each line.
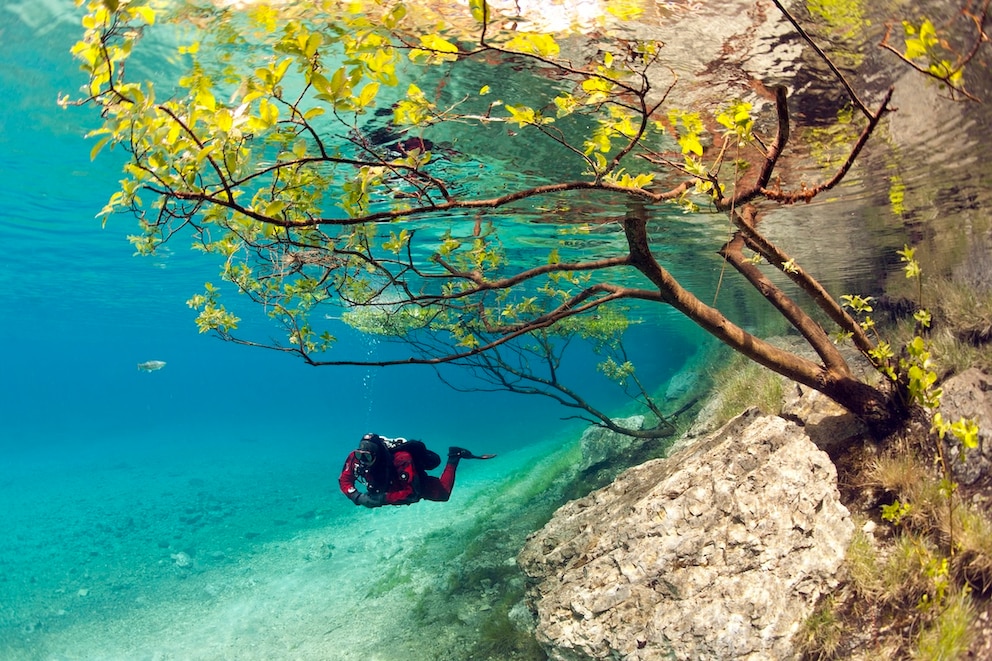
(193,512)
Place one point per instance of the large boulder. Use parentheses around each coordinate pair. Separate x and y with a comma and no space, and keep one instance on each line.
(717,552)
(828,424)
(600,445)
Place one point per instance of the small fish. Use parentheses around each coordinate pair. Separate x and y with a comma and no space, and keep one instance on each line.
(151,365)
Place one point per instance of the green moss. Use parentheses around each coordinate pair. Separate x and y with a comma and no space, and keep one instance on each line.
(543,479)
(499,637)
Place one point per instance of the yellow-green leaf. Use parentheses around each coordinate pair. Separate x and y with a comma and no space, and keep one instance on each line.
(147,14)
(480,10)
(273,208)
(436,49)
(367,95)
(567,104)
(598,89)
(206,100)
(392,19)
(98,146)
(626,10)
(690,144)
(224,119)
(522,115)
(535,44)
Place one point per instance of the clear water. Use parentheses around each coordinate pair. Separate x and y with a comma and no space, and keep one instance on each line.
(193,512)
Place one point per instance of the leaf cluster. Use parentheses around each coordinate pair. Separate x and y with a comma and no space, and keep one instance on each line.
(335,163)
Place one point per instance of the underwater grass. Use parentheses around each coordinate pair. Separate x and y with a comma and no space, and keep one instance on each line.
(396,576)
(961,332)
(821,633)
(915,582)
(973,535)
(862,564)
(741,384)
(500,640)
(950,634)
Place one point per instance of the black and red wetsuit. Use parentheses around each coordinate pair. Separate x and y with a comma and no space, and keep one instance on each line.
(407,485)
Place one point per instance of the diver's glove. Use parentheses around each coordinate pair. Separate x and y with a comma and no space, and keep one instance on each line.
(371,499)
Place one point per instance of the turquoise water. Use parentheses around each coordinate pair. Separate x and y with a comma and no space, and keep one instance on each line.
(193,512)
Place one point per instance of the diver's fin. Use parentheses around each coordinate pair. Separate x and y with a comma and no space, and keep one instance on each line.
(462,453)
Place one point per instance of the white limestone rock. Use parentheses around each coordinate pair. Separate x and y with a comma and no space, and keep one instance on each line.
(717,552)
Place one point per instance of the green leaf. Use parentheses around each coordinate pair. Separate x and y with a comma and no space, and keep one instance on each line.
(396,241)
(895,512)
(448,246)
(313,112)
(274,208)
(311,44)
(415,109)
(599,142)
(859,304)
(279,70)
(736,118)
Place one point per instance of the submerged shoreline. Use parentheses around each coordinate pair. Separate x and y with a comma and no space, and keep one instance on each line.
(335,587)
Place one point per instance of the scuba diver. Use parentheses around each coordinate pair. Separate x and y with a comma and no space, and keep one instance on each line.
(394,472)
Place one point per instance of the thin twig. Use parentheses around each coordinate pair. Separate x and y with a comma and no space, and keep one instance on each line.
(819,51)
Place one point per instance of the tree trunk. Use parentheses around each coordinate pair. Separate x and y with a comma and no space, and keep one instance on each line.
(880,409)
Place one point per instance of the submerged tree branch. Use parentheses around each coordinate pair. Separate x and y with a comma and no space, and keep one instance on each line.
(855,99)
